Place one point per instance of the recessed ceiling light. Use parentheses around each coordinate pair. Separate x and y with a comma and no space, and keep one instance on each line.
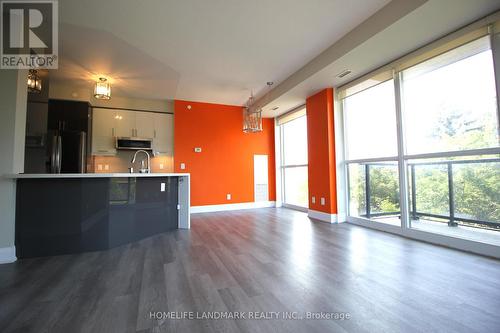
(344,73)
(269,83)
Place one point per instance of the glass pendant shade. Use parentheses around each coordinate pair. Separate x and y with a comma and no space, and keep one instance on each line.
(34,82)
(252,120)
(102,89)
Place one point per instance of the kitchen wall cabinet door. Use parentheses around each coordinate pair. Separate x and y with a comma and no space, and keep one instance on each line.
(163,141)
(125,123)
(145,124)
(103,132)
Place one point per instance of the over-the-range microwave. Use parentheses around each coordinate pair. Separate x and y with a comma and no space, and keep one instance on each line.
(132,143)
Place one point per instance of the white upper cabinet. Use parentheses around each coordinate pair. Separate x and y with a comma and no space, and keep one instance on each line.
(103,132)
(124,122)
(163,141)
(145,124)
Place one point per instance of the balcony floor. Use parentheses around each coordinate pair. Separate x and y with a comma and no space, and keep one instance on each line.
(460,231)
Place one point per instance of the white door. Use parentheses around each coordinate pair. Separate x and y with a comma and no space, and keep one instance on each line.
(260,178)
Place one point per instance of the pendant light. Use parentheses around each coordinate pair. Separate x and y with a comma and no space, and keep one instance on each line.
(34,82)
(252,119)
(102,89)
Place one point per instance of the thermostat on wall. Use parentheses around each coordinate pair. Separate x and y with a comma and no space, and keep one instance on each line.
(197,150)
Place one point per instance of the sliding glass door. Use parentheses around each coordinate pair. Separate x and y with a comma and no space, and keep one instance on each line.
(293,130)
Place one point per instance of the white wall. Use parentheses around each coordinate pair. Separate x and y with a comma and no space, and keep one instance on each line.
(13,97)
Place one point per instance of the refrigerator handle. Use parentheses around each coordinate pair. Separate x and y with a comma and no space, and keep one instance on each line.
(59,154)
(82,152)
(53,154)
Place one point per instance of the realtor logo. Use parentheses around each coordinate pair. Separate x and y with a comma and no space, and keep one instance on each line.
(29,34)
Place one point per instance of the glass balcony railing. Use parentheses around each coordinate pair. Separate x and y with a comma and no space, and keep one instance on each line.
(452,192)
(458,192)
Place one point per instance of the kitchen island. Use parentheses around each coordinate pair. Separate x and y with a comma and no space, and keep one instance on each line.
(74,213)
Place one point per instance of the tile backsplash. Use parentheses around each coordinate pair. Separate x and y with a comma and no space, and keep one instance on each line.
(121,163)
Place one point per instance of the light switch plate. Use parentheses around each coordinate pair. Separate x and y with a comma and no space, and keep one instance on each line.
(106,167)
(162,187)
(183,166)
(322,201)
(313,199)
(161,166)
(99,167)
(197,149)
(228,196)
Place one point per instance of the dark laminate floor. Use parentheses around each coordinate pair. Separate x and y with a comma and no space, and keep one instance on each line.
(260,260)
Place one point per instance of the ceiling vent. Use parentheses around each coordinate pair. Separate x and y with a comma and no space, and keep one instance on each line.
(344,73)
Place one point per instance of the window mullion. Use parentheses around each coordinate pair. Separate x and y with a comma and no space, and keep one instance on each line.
(403,181)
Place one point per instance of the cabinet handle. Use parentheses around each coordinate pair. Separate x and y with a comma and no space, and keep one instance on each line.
(155,134)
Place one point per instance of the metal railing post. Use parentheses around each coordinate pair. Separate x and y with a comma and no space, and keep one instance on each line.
(367,190)
(414,215)
(451,196)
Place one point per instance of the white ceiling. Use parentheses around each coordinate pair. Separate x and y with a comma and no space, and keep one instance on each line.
(212,51)
(430,20)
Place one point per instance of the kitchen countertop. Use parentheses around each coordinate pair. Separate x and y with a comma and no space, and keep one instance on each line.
(93,175)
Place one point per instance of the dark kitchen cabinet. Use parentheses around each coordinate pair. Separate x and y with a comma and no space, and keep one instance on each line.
(68,115)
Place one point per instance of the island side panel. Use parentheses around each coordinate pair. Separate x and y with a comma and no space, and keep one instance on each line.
(141,207)
(184,203)
(52,216)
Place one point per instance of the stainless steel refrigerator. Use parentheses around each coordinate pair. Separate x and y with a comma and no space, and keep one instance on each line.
(57,136)
(68,152)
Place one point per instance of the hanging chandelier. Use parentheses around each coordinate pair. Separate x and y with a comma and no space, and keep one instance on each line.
(252,119)
(34,82)
(102,89)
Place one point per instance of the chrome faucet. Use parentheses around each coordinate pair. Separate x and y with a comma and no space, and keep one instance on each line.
(144,168)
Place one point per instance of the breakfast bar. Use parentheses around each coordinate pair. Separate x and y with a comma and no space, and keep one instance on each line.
(74,213)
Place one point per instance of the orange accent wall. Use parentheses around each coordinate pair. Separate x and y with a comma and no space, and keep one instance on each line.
(321,151)
(225,164)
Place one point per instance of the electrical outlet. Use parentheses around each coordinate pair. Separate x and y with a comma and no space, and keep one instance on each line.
(322,201)
(197,150)
(162,187)
(228,196)
(313,199)
(106,167)
(161,166)
(183,166)
(99,167)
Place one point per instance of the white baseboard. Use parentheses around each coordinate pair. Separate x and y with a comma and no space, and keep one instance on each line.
(235,206)
(7,255)
(322,216)
(341,218)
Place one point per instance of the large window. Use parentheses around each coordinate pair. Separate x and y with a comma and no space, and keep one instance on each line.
(449,101)
(430,126)
(293,131)
(450,111)
(371,122)
(370,129)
